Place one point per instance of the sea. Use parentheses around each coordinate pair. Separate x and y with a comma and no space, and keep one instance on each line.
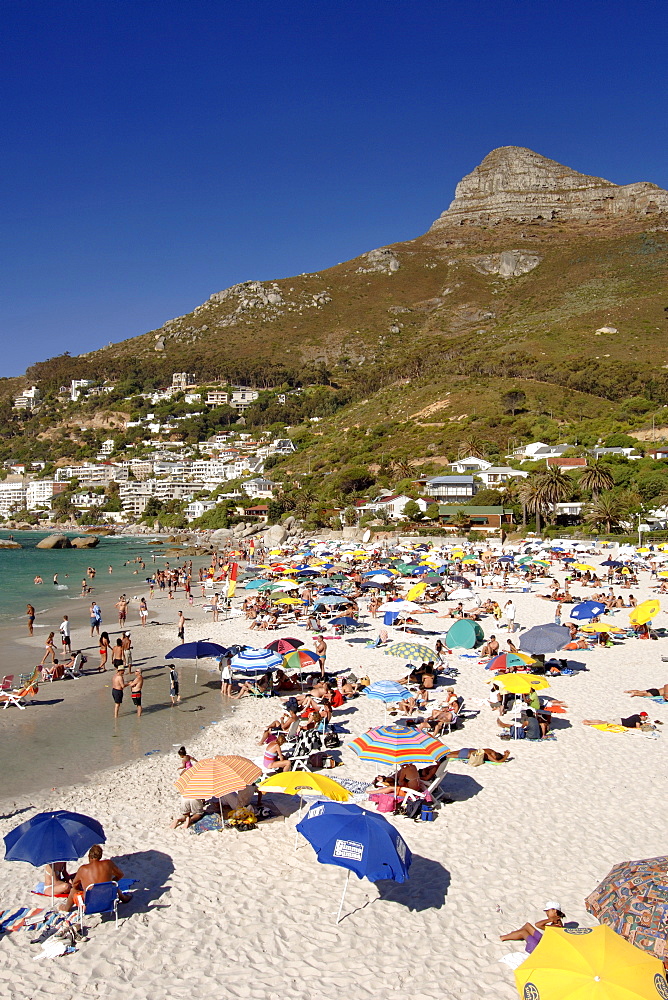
(68,734)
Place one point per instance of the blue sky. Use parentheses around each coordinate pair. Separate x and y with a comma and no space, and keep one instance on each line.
(157,151)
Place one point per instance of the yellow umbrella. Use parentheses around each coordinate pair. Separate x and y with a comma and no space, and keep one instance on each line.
(601,627)
(663,572)
(288,600)
(589,963)
(521,683)
(416,591)
(645,612)
(642,550)
(300,782)
(583,567)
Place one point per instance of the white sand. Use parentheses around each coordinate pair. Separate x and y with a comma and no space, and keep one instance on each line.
(245,915)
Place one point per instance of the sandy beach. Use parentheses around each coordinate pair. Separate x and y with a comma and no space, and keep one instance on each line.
(246,915)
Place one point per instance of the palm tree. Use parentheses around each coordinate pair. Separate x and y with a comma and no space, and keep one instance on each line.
(404,468)
(532,498)
(554,486)
(607,509)
(597,478)
(472,446)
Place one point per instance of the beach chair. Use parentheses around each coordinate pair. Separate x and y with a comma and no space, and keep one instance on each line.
(18,696)
(434,788)
(100,897)
(7,682)
(74,670)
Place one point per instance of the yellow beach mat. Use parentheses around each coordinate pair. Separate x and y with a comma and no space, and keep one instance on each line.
(610,727)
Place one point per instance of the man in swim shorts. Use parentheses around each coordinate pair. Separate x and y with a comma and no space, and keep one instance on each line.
(118,685)
(135,690)
(96,870)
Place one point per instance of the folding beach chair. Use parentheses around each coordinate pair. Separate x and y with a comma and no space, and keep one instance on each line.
(18,696)
(100,897)
(75,670)
(7,682)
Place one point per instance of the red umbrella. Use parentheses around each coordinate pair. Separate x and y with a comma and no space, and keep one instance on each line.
(283,646)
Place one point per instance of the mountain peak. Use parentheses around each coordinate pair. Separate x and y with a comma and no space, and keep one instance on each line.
(517,184)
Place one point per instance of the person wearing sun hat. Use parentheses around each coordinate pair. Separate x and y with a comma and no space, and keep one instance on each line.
(532,933)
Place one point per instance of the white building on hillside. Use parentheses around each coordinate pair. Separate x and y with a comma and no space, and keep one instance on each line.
(28,400)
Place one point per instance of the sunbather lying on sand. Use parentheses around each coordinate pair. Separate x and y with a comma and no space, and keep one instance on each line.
(531,934)
(631,722)
(661,692)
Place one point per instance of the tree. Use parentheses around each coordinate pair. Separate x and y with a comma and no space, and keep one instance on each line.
(596,478)
(532,498)
(433,512)
(462,520)
(473,447)
(513,401)
(350,516)
(554,486)
(608,509)
(487,498)
(412,511)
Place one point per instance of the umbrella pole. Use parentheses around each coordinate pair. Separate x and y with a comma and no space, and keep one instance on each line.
(195,669)
(343,896)
(301,806)
(221,813)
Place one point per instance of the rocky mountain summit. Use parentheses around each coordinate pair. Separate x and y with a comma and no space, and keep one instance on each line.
(516,184)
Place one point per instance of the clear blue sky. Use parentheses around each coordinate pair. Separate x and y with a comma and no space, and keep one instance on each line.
(156,151)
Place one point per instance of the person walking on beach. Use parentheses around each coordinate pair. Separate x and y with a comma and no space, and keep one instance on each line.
(143,611)
(182,627)
(118,685)
(135,690)
(117,654)
(105,646)
(30,611)
(49,649)
(320,647)
(509,615)
(95,617)
(122,605)
(126,646)
(174,685)
(65,635)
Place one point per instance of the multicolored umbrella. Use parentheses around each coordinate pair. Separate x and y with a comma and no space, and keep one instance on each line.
(256,659)
(300,659)
(217,776)
(633,900)
(411,651)
(589,963)
(396,745)
(283,646)
(504,661)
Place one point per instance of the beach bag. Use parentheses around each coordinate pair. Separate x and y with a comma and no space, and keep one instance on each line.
(477,758)
(413,808)
(385,802)
(332,741)
(318,761)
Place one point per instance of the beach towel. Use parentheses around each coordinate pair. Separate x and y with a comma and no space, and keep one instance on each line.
(14,920)
(206,824)
(610,727)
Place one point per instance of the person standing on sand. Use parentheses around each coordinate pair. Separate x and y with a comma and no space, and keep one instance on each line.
(105,646)
(174,685)
(135,690)
(182,627)
(65,635)
(143,611)
(126,646)
(320,647)
(122,605)
(95,617)
(30,611)
(118,685)
(49,649)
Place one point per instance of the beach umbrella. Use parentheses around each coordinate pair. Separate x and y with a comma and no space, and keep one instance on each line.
(460,595)
(387,691)
(399,607)
(361,841)
(632,899)
(589,963)
(396,745)
(377,578)
(387,573)
(545,638)
(344,622)
(416,591)
(504,661)
(51,837)
(611,562)
(644,612)
(587,609)
(300,659)
(284,646)
(250,659)
(332,601)
(255,584)
(287,600)
(522,683)
(296,782)
(287,584)
(594,627)
(411,651)
(217,776)
(196,651)
(583,567)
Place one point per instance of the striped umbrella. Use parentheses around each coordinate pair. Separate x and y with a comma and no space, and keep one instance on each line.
(250,659)
(285,645)
(411,651)
(503,661)
(387,691)
(397,745)
(217,776)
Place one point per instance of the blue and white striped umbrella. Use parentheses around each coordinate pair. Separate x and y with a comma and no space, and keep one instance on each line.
(251,659)
(387,691)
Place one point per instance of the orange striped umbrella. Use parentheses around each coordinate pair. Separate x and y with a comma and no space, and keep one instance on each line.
(217,776)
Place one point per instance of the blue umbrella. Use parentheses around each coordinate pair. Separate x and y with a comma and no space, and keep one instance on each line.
(196,651)
(587,610)
(506,559)
(250,659)
(331,600)
(544,638)
(255,584)
(380,572)
(53,836)
(612,562)
(364,842)
(345,621)
(387,691)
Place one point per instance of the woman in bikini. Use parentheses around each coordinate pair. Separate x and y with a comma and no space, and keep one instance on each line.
(105,646)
